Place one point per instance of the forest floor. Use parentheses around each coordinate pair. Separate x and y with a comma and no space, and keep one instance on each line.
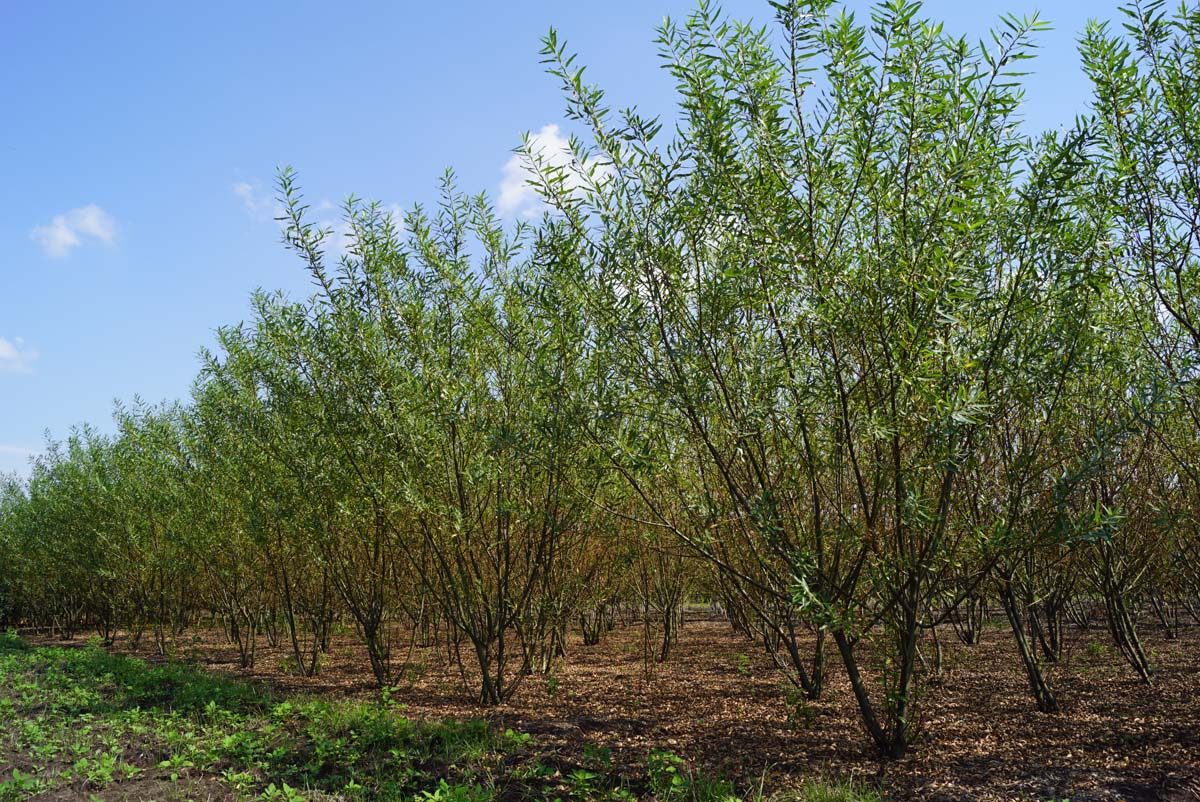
(720,705)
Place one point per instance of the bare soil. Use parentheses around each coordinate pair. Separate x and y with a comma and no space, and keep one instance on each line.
(719,703)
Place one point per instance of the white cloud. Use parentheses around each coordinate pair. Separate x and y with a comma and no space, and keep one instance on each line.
(17,451)
(340,238)
(517,197)
(15,356)
(258,202)
(67,231)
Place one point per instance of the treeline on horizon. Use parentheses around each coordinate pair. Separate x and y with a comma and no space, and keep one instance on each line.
(848,352)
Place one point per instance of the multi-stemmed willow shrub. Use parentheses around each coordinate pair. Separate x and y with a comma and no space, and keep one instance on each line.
(445,393)
(845,268)
(1147,149)
(843,347)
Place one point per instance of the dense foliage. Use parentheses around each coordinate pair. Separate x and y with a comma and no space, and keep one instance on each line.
(851,354)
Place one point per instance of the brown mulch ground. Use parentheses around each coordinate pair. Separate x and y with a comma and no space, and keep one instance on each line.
(720,704)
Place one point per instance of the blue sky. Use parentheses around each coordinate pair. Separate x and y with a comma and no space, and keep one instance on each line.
(138,143)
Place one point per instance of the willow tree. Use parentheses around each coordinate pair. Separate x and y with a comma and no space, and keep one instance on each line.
(818,283)
(12,597)
(445,364)
(247,409)
(154,505)
(330,473)
(498,365)
(61,534)
(1146,94)
(232,489)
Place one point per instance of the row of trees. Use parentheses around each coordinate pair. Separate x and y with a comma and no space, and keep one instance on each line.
(853,354)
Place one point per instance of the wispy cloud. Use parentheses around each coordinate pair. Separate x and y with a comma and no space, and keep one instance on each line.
(553,151)
(68,231)
(15,356)
(258,202)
